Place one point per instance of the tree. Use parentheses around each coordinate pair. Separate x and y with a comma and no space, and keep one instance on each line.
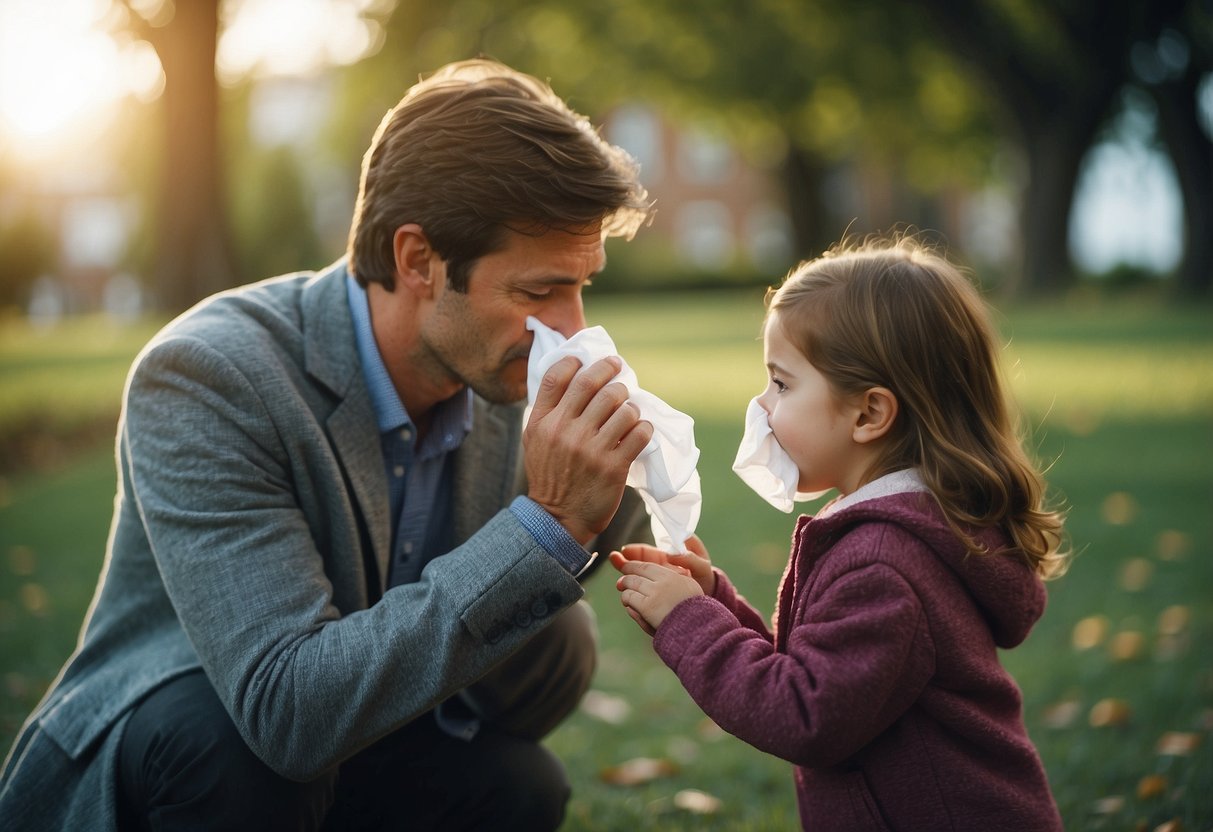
(1054,71)
(192,250)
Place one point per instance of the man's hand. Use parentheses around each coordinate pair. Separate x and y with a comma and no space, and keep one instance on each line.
(579,443)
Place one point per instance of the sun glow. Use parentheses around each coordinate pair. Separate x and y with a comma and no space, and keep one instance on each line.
(62,74)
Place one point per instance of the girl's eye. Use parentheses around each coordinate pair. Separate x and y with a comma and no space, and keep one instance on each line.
(779,385)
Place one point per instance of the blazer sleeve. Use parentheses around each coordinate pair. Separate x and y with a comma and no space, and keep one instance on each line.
(216,482)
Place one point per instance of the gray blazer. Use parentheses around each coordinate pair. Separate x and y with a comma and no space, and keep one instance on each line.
(250,539)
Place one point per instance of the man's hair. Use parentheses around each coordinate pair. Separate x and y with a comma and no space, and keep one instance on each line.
(890,313)
(477,150)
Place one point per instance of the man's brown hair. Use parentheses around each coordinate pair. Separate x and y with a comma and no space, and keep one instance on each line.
(478,149)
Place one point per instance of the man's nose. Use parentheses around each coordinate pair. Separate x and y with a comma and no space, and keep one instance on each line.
(567,318)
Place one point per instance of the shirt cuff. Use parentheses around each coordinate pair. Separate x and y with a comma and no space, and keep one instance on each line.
(549,534)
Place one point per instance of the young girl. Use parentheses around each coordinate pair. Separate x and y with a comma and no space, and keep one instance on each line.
(880,677)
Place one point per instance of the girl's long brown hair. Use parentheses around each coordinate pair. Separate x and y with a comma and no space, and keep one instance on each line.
(890,313)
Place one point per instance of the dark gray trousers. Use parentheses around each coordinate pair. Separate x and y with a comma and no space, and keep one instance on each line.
(183,766)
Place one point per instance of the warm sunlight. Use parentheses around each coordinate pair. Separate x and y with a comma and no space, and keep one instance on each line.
(61,74)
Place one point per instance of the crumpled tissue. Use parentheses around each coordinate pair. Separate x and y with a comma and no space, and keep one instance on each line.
(765,466)
(664,474)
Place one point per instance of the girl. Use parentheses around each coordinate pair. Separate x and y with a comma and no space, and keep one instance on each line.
(880,677)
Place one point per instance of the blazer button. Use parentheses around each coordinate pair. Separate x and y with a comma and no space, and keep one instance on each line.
(522,618)
(539,609)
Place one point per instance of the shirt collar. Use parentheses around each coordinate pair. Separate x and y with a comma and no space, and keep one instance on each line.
(452,418)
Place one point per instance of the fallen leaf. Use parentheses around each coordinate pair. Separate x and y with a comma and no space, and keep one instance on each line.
(35,600)
(21,560)
(1108,712)
(1135,574)
(1152,786)
(637,772)
(1174,620)
(697,802)
(1173,825)
(1089,632)
(1109,805)
(682,749)
(606,707)
(1119,508)
(1178,743)
(1062,714)
(709,730)
(1127,646)
(1172,545)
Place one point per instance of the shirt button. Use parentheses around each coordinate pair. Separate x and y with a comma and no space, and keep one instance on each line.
(398,470)
(407,547)
(406,434)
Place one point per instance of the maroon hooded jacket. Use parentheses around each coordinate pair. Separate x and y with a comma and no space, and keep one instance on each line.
(881,680)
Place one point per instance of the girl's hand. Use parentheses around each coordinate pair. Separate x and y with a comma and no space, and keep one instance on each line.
(649,591)
(696,563)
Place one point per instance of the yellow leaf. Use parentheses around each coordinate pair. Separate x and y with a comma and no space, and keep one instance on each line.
(1173,825)
(1135,574)
(1107,712)
(1152,786)
(605,707)
(1108,805)
(1089,632)
(1174,620)
(1119,508)
(1062,714)
(1127,646)
(697,802)
(1178,743)
(638,771)
(1172,545)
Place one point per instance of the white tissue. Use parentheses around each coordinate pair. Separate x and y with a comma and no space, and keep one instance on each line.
(664,474)
(765,466)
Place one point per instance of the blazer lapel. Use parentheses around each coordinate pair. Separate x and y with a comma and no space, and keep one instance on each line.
(331,357)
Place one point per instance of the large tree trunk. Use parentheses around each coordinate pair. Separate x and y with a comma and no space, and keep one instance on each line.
(1055,149)
(192,250)
(1192,153)
(802,177)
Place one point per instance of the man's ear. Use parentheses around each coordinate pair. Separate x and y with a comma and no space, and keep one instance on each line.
(418,267)
(875,414)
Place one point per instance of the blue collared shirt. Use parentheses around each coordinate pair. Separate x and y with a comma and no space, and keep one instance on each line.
(419,477)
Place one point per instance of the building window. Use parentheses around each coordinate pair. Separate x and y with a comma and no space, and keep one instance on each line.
(636,129)
(705,233)
(703,158)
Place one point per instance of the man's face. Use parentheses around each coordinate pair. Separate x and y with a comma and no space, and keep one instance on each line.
(480,337)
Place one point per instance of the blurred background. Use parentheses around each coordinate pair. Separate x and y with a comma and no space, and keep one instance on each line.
(153,152)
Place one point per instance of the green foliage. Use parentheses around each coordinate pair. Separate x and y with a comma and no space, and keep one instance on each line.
(275,231)
(1120,399)
(28,250)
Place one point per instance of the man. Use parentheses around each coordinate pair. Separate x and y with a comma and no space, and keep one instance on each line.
(335,596)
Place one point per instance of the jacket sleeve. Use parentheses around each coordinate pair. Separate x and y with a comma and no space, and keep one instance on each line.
(749,617)
(857,661)
(305,685)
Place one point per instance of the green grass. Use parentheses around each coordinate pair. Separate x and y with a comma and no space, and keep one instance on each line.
(1120,397)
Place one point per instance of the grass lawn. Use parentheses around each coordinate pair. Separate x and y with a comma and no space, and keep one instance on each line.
(1120,399)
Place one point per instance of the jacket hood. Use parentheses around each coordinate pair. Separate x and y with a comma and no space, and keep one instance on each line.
(1010,595)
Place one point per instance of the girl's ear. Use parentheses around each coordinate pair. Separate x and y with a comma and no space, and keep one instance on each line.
(418,266)
(875,414)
